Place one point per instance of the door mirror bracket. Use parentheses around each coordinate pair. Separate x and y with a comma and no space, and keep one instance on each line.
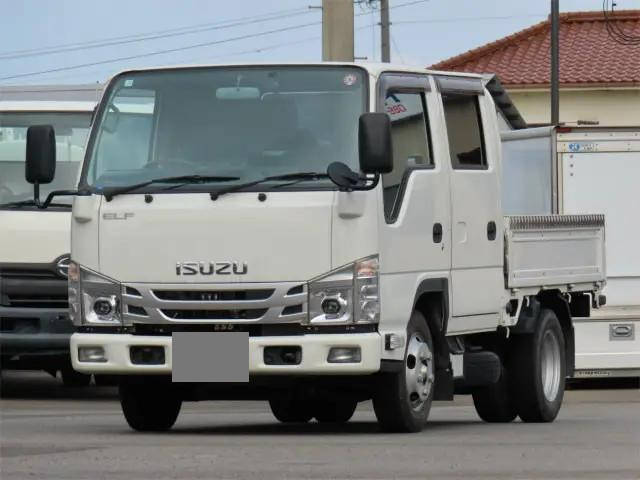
(347,180)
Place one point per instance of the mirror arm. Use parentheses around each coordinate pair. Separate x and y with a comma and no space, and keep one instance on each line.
(36,194)
(56,193)
(374,183)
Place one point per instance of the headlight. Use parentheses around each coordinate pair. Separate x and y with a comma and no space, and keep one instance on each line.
(346,295)
(93,298)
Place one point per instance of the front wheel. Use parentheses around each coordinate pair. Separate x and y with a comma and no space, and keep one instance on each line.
(402,400)
(72,379)
(149,406)
(539,366)
(335,411)
(290,408)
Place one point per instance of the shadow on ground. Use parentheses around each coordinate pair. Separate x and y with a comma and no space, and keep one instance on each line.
(40,385)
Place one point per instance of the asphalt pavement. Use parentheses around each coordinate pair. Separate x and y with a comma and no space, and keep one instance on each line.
(48,431)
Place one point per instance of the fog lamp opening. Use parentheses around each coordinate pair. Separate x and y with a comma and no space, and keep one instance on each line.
(93,354)
(147,355)
(344,355)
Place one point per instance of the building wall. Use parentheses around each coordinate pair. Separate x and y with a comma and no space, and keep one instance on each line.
(608,107)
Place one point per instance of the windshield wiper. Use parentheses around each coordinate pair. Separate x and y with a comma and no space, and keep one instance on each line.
(31,203)
(291,177)
(109,193)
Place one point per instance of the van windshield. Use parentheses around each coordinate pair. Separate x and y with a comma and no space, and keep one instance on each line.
(71,131)
(240,122)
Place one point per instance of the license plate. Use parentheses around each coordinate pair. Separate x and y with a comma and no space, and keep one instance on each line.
(210,357)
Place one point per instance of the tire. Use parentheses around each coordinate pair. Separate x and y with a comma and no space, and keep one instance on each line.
(539,370)
(402,399)
(334,411)
(73,379)
(291,409)
(495,403)
(149,406)
(106,380)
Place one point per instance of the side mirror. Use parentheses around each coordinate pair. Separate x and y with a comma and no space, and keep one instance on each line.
(40,165)
(374,143)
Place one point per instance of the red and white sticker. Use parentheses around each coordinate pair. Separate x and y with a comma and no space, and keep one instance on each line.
(349,79)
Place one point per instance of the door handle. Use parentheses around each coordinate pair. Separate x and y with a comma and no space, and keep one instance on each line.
(491,230)
(437,233)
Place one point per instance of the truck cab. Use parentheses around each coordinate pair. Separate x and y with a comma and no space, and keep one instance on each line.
(34,243)
(316,235)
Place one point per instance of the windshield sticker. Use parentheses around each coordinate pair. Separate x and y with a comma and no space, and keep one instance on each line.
(128,82)
(349,79)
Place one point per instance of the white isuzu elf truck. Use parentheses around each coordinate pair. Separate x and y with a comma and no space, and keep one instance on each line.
(316,235)
(574,170)
(35,243)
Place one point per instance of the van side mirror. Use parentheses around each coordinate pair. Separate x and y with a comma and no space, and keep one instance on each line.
(374,143)
(40,165)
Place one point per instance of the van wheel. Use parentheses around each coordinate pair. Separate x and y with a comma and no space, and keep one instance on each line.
(539,365)
(494,403)
(149,406)
(106,380)
(402,399)
(71,378)
(291,408)
(335,411)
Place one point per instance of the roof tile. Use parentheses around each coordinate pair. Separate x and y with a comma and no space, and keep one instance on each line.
(588,55)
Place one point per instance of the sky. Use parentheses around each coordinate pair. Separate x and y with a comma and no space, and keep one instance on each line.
(219,31)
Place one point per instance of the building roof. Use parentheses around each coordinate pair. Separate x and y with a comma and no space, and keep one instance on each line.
(588,55)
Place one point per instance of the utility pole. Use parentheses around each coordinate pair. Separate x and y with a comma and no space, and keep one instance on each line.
(555,62)
(337,30)
(385,46)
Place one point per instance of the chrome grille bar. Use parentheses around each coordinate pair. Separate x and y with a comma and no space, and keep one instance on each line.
(219,303)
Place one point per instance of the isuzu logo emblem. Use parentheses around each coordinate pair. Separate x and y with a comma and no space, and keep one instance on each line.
(211,268)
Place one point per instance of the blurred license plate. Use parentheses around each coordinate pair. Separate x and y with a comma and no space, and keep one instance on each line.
(210,357)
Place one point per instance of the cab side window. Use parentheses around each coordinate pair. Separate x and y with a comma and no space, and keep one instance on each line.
(411,145)
(464,129)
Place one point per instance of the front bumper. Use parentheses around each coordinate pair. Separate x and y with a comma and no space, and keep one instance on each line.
(34,332)
(315,348)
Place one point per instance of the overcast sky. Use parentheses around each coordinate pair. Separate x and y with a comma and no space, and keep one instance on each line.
(423,32)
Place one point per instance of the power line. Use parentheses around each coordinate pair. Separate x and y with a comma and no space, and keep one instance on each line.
(141,37)
(255,50)
(615,31)
(466,19)
(187,47)
(395,47)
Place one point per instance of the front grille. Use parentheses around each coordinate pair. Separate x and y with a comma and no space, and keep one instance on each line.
(252,314)
(37,301)
(284,302)
(19,325)
(213,295)
(27,273)
(32,287)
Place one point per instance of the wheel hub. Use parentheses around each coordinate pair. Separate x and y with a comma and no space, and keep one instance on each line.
(550,366)
(418,371)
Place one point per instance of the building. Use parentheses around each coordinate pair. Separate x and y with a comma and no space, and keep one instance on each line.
(599,78)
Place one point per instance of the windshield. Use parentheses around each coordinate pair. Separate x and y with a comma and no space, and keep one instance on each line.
(71,132)
(244,122)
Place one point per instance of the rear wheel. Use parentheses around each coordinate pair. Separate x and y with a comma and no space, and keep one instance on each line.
(149,406)
(334,411)
(494,403)
(539,366)
(402,400)
(291,409)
